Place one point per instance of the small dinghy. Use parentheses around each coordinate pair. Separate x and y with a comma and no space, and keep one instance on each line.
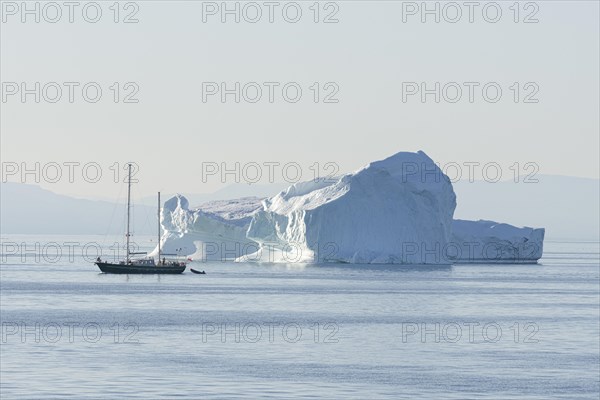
(197,272)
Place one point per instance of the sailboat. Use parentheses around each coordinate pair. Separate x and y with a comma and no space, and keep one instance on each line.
(145,265)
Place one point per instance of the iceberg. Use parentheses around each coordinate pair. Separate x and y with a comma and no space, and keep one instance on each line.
(214,231)
(492,242)
(387,212)
(398,210)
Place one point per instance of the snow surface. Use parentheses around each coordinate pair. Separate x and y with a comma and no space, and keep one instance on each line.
(398,210)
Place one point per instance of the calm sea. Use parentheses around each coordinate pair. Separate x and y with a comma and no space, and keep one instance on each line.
(288,331)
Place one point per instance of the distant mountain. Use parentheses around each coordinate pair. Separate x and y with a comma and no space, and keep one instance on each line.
(31,209)
(567,207)
(234,191)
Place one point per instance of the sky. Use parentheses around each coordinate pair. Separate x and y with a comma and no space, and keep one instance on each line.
(361,75)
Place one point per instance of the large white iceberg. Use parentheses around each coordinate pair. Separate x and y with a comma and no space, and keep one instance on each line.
(398,210)
(387,212)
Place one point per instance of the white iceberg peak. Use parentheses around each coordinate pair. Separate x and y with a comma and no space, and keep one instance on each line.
(364,217)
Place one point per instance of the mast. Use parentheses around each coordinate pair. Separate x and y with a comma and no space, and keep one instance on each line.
(128,207)
(159,227)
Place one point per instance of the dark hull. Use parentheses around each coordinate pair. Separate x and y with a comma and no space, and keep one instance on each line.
(197,272)
(109,268)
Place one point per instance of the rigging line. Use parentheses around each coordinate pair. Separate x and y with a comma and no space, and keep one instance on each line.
(146,227)
(112,216)
(134,219)
(134,204)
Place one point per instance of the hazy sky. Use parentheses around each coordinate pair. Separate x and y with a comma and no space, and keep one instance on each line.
(370,57)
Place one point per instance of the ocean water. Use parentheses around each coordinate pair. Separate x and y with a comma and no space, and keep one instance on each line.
(292,331)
